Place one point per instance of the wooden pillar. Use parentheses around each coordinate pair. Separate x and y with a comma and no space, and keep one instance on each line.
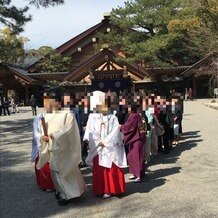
(26,102)
(5,92)
(159,84)
(195,87)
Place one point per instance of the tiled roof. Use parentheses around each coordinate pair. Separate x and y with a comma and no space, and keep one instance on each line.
(167,70)
(47,74)
(22,74)
(26,62)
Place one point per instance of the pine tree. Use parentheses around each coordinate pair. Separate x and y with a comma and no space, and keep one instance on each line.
(51,61)
(157,32)
(15,18)
(46,3)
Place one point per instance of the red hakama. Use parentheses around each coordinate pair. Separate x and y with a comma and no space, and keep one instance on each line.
(107,180)
(43,177)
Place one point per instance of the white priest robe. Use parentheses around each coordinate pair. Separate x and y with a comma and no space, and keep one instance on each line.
(105,128)
(64,154)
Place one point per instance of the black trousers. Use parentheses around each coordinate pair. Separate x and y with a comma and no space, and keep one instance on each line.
(166,142)
(34,110)
(6,109)
(160,144)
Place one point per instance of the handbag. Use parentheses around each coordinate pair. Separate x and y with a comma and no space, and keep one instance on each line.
(143,127)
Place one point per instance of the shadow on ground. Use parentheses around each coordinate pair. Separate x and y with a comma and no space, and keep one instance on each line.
(19,185)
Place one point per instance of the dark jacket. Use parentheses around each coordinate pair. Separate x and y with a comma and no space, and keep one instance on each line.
(33,102)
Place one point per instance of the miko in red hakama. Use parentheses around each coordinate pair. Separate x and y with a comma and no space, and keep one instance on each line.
(108,160)
(107,180)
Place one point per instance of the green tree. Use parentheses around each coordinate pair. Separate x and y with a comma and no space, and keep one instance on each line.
(204,37)
(11,46)
(51,61)
(15,18)
(157,32)
(46,3)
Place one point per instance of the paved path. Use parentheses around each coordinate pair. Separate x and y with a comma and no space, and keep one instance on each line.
(180,184)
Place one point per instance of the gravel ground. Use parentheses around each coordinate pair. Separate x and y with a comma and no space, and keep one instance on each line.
(180,184)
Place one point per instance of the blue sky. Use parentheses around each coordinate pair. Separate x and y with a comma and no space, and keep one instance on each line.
(55,25)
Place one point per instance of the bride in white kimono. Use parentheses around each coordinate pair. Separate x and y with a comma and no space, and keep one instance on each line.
(106,152)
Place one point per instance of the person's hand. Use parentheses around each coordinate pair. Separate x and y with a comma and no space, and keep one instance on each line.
(45,138)
(86,141)
(101,144)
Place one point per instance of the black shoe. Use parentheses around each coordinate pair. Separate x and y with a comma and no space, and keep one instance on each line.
(62,201)
(58,195)
(82,165)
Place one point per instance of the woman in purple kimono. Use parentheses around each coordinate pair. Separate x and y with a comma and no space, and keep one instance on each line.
(135,138)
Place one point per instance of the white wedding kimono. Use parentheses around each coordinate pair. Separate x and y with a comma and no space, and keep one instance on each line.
(105,128)
(63,153)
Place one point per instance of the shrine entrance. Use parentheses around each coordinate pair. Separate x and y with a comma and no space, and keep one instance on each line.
(106,72)
(110,80)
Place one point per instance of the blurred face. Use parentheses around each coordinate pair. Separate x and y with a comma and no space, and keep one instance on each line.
(102,108)
(51,105)
(48,105)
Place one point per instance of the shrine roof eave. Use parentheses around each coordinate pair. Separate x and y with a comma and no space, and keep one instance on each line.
(176,79)
(22,75)
(133,68)
(95,61)
(167,71)
(44,74)
(79,38)
(193,70)
(48,76)
(79,73)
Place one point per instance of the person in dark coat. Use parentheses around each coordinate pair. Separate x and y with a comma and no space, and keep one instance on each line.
(5,106)
(166,136)
(1,105)
(33,104)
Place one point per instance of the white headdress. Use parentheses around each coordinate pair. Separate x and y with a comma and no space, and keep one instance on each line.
(97,98)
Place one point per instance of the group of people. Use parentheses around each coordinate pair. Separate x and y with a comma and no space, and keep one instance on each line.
(189,94)
(112,145)
(164,131)
(8,106)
